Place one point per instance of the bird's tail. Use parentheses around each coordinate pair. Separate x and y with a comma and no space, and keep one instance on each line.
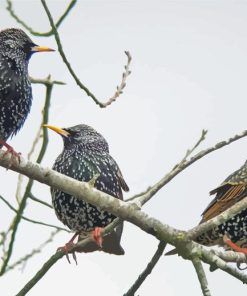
(172,252)
(111,243)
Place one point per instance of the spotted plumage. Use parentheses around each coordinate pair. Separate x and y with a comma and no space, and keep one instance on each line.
(232,190)
(85,154)
(16,49)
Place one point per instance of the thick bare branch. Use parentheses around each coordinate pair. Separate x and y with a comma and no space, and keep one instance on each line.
(231,256)
(226,215)
(126,211)
(214,261)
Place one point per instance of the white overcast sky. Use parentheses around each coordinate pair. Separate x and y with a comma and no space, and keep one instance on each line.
(189,72)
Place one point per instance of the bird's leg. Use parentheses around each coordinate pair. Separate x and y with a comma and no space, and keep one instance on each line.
(97,236)
(10,149)
(233,246)
(68,246)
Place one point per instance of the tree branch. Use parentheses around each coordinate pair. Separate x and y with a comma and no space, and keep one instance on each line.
(35,251)
(54,258)
(71,71)
(226,215)
(30,220)
(183,164)
(142,277)
(231,256)
(58,255)
(22,204)
(10,9)
(213,260)
(201,275)
(31,196)
(126,211)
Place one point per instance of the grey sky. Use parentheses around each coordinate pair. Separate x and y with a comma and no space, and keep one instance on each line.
(188,73)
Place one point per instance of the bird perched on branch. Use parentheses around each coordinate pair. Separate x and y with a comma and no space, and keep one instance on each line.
(85,156)
(16,48)
(233,232)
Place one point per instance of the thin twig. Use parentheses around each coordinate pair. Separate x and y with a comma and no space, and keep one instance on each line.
(31,196)
(181,166)
(58,255)
(30,220)
(22,205)
(18,195)
(9,7)
(35,251)
(122,85)
(201,275)
(142,277)
(46,81)
(190,151)
(48,264)
(35,143)
(70,69)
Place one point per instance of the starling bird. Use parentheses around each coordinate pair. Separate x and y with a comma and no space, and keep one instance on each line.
(233,232)
(16,49)
(86,155)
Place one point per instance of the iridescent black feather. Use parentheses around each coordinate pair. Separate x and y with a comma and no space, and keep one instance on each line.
(86,154)
(16,49)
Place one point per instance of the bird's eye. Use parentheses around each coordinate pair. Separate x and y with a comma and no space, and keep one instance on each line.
(71,133)
(28,47)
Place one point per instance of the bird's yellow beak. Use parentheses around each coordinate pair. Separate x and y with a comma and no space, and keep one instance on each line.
(58,130)
(37,48)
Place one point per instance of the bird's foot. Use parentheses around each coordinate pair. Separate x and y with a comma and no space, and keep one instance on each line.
(97,236)
(233,246)
(68,247)
(14,155)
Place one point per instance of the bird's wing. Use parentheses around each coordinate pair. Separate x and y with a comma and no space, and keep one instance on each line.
(121,180)
(226,195)
(110,174)
(113,166)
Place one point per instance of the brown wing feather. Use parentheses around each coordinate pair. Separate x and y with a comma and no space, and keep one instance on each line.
(227,195)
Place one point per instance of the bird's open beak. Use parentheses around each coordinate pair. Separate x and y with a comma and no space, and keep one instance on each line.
(58,130)
(37,48)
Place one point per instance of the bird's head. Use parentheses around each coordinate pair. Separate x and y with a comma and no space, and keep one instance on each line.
(81,136)
(16,44)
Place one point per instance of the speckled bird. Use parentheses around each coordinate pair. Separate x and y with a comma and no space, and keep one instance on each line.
(86,154)
(231,191)
(16,48)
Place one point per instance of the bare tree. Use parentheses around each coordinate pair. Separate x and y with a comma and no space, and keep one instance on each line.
(129,210)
